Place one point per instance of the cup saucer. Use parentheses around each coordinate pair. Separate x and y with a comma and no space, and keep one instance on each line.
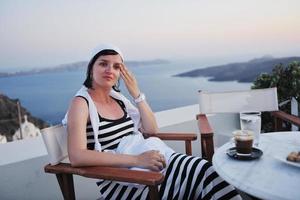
(255,154)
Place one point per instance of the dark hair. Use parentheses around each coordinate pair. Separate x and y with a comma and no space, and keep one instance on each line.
(89,79)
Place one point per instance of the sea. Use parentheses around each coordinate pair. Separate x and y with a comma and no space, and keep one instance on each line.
(47,95)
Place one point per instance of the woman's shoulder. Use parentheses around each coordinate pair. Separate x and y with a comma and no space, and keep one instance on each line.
(78,110)
(79,101)
(81,98)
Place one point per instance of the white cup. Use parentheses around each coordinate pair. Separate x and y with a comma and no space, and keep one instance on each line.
(251,121)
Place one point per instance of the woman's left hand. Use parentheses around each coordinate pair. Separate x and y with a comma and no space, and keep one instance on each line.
(130,82)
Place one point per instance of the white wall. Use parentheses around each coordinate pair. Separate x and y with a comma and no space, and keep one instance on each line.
(23,177)
(22,162)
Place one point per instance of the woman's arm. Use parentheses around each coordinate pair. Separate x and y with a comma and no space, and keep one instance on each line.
(149,125)
(79,155)
(148,120)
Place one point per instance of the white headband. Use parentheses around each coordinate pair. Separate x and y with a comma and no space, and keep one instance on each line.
(102,47)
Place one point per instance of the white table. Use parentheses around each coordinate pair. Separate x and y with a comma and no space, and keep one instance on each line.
(267,177)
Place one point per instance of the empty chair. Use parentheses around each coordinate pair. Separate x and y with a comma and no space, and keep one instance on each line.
(219,114)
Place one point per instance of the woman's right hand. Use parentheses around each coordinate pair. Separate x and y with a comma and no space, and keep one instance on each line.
(152,160)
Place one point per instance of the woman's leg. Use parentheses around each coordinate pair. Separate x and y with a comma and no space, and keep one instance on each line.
(189,177)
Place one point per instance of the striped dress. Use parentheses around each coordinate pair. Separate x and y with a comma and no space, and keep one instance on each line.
(186,177)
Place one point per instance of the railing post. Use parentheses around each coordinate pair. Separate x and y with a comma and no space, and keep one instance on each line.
(20,119)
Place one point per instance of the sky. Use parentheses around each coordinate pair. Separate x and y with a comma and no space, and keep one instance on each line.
(35,33)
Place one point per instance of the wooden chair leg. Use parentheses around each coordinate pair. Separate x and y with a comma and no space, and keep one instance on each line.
(278,124)
(207,146)
(153,192)
(66,184)
(188,147)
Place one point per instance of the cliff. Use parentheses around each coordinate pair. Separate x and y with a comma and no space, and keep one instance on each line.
(241,72)
(9,121)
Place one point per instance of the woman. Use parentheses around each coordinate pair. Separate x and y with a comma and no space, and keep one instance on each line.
(99,111)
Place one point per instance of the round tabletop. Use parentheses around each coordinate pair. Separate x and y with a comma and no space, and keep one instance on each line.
(270,176)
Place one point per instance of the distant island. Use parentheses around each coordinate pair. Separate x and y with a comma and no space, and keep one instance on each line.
(78,66)
(241,72)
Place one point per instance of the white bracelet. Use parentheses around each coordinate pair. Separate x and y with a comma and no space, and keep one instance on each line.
(140,98)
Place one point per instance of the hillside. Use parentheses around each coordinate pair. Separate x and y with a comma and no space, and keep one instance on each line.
(9,122)
(78,66)
(241,72)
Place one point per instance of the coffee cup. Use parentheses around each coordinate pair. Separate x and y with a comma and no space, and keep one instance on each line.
(243,140)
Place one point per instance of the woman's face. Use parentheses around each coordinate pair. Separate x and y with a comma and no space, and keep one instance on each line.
(106,71)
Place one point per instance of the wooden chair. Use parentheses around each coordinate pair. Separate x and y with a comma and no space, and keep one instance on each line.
(55,139)
(228,105)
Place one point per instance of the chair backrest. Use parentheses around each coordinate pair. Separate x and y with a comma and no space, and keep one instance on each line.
(223,108)
(55,139)
(238,101)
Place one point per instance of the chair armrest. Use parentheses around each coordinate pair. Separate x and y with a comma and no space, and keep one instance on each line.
(286,117)
(206,134)
(204,126)
(187,137)
(108,173)
(176,136)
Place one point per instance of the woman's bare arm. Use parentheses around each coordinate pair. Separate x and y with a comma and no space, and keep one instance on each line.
(149,125)
(79,155)
(148,120)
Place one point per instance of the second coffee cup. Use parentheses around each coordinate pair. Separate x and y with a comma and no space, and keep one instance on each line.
(243,142)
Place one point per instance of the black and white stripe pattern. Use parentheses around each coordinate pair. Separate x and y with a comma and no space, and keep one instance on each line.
(110,131)
(186,177)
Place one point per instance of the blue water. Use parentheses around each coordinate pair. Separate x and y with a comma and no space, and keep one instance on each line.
(47,96)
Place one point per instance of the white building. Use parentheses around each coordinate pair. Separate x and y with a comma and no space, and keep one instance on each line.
(29,130)
(3,139)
